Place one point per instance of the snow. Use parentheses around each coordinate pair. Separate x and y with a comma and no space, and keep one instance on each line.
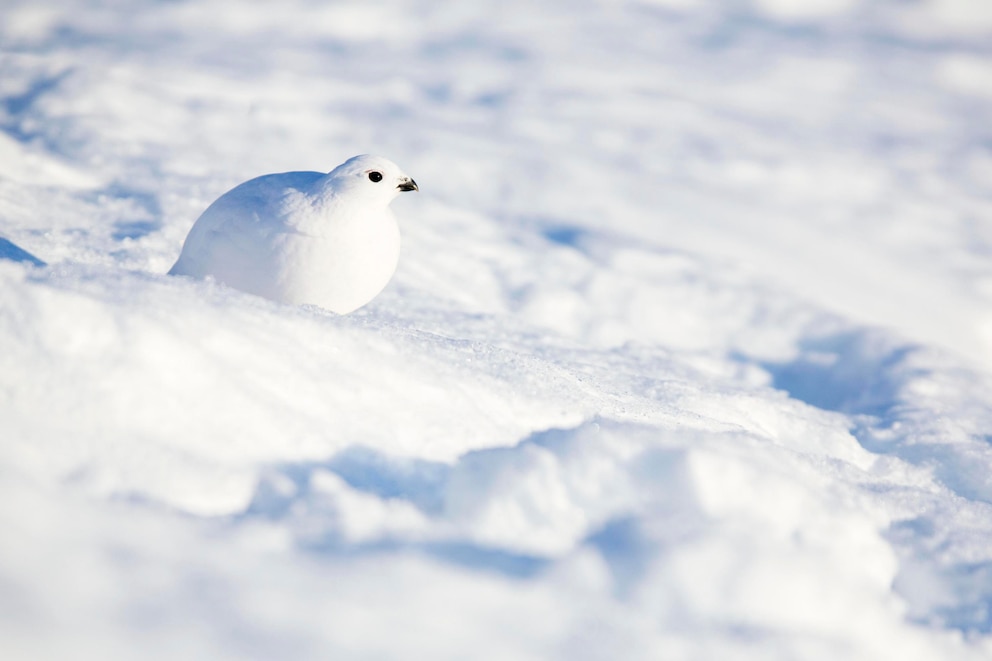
(688,354)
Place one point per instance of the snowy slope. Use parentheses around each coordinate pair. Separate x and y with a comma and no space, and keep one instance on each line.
(689,353)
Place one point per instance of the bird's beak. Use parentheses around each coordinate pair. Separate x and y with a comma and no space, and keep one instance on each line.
(408,184)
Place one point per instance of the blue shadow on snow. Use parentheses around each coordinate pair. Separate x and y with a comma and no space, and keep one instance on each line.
(15,253)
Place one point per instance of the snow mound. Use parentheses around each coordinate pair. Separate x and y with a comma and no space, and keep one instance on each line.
(687,354)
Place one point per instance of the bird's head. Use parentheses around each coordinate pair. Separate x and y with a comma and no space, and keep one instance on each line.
(371,177)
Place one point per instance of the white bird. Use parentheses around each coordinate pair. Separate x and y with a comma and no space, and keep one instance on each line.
(303,237)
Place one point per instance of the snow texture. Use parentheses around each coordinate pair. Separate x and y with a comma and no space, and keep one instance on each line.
(688,354)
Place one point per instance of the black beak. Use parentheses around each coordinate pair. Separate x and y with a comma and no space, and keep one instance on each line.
(408,184)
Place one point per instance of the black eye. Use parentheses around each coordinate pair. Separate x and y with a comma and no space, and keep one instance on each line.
(375,177)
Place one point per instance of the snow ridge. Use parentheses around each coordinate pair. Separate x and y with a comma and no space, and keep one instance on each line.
(687,355)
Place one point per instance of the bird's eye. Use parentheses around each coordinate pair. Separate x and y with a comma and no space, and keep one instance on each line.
(375,177)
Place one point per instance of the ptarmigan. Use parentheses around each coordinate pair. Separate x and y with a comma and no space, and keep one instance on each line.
(303,237)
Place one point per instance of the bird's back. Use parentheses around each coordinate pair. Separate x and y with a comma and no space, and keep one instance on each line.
(232,239)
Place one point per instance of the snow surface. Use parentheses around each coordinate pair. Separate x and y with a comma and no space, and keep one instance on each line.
(688,356)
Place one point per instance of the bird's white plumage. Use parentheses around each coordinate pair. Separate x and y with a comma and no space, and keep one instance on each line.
(303,237)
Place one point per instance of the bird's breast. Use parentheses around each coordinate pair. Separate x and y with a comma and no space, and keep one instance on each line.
(341,268)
